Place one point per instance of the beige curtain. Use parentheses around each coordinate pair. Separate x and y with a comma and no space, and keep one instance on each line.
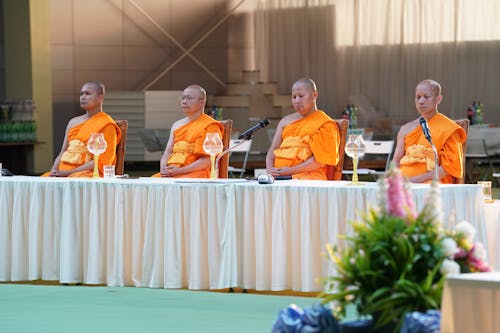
(380,49)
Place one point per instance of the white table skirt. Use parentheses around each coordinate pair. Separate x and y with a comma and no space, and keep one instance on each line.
(471,303)
(161,233)
(136,232)
(285,226)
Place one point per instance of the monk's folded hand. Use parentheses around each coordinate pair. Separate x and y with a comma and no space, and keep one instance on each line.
(171,171)
(164,172)
(60,173)
(285,171)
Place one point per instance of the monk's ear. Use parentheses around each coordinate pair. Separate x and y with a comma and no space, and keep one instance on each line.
(315,94)
(439,99)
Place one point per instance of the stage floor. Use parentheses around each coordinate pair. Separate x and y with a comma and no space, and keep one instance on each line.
(55,308)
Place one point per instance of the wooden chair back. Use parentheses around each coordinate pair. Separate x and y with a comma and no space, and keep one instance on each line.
(464,123)
(226,138)
(121,147)
(334,172)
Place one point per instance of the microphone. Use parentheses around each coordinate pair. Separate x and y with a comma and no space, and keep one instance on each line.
(247,135)
(427,134)
(6,172)
(265,179)
(425,129)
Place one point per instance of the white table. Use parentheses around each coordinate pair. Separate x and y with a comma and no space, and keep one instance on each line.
(161,233)
(285,226)
(120,232)
(471,303)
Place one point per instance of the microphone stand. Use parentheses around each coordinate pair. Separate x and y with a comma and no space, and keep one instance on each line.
(427,134)
(217,159)
(436,162)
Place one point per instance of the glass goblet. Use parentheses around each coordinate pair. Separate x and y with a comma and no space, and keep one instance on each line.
(96,146)
(212,146)
(355,148)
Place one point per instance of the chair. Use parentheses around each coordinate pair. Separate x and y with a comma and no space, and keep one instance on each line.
(224,160)
(464,123)
(376,148)
(496,177)
(239,146)
(334,172)
(121,147)
(270,134)
(476,154)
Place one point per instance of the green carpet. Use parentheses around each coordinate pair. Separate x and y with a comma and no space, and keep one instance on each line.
(54,309)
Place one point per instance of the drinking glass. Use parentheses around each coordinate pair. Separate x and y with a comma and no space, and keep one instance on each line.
(212,146)
(109,171)
(486,187)
(355,148)
(96,145)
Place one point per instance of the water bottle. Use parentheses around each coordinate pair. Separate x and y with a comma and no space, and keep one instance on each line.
(212,111)
(24,136)
(470,114)
(479,112)
(218,113)
(347,114)
(15,131)
(33,131)
(2,132)
(354,116)
(8,132)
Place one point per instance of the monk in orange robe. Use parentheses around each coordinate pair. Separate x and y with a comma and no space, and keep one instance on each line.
(306,141)
(414,154)
(75,160)
(184,155)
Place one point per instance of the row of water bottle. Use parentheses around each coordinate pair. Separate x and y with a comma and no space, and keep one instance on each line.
(18,131)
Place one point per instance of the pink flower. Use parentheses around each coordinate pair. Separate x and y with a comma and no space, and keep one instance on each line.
(478,251)
(396,197)
(478,265)
(460,254)
(476,258)
(473,259)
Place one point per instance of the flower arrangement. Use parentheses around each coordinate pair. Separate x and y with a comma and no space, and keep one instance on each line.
(397,260)
(462,254)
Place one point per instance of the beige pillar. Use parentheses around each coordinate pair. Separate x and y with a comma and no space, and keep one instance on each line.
(28,69)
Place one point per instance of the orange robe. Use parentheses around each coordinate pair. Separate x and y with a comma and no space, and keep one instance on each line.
(188,145)
(448,138)
(318,135)
(76,153)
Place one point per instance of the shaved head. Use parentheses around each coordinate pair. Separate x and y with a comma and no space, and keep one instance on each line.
(434,85)
(307,82)
(98,86)
(202,93)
